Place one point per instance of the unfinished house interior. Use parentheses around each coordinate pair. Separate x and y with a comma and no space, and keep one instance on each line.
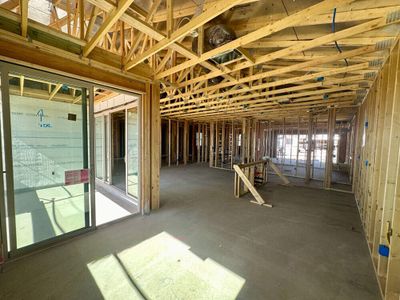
(200,149)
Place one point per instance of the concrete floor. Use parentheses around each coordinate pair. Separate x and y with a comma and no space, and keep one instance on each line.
(309,246)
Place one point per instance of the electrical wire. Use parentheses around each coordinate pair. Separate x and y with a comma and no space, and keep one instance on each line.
(333,31)
(181,20)
(294,30)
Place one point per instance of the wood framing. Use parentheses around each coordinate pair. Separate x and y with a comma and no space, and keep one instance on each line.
(249,183)
(24,17)
(309,148)
(113,17)
(154,42)
(218,8)
(212,146)
(260,33)
(246,173)
(329,150)
(377,173)
(150,149)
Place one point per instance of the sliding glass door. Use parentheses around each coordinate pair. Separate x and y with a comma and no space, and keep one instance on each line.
(51,150)
(46,146)
(50,158)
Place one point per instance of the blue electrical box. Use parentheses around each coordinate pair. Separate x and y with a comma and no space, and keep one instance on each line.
(383,250)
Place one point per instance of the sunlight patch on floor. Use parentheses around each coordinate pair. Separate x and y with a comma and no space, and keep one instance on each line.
(107,210)
(162,267)
(112,280)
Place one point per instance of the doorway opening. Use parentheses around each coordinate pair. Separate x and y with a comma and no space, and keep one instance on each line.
(116,151)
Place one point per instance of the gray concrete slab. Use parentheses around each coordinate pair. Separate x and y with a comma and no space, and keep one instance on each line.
(309,246)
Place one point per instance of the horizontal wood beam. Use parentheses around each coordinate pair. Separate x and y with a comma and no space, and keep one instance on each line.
(351,42)
(353,15)
(15,49)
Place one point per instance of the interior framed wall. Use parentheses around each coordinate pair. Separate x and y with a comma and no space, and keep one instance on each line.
(376,173)
(301,147)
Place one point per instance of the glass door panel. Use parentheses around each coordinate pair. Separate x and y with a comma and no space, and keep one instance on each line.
(3,217)
(100,147)
(132,152)
(50,158)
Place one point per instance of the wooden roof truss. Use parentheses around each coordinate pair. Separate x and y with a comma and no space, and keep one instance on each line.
(333,62)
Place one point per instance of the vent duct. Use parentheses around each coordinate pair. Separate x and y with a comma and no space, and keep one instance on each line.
(215,36)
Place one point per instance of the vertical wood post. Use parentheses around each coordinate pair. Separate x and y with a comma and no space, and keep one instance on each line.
(223,144)
(206,143)
(315,132)
(185,141)
(169,142)
(244,141)
(203,143)
(193,141)
(232,144)
(329,151)
(177,143)
(309,146)
(216,145)
(150,145)
(248,140)
(254,140)
(211,159)
(198,143)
